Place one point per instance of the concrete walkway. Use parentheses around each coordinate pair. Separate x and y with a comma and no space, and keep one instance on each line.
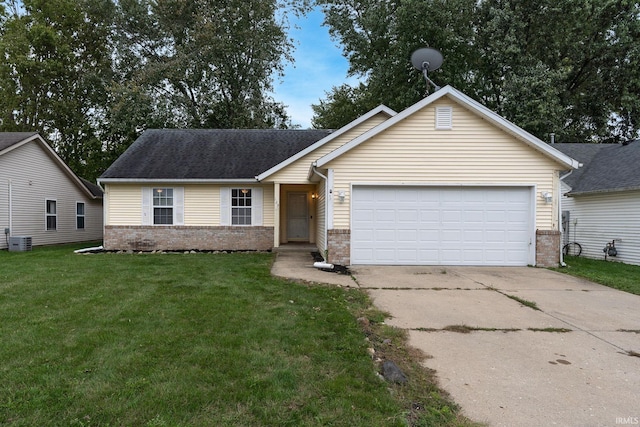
(572,362)
(294,261)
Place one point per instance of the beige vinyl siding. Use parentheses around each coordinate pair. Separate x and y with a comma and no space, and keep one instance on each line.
(124,204)
(297,172)
(473,152)
(605,217)
(201,203)
(36,177)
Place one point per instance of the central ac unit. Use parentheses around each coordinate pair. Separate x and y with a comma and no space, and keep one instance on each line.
(20,244)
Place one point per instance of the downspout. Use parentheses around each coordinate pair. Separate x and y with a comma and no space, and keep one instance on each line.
(326,215)
(562,263)
(10,210)
(559,198)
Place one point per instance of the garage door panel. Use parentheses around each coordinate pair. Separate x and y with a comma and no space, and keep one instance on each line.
(441,225)
(407,235)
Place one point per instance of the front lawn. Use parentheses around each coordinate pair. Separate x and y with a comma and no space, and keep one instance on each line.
(616,275)
(188,340)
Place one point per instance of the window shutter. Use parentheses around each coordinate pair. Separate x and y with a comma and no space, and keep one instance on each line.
(225,210)
(256,206)
(178,205)
(444,117)
(146,206)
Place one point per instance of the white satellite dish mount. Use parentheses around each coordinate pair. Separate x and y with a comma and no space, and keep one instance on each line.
(427,59)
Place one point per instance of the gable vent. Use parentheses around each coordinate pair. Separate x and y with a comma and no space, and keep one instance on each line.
(444,117)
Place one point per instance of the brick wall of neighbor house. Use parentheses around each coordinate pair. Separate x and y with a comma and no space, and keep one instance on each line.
(547,248)
(145,238)
(339,246)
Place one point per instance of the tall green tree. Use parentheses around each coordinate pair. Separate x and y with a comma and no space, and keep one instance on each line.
(378,37)
(563,66)
(56,63)
(205,63)
(91,75)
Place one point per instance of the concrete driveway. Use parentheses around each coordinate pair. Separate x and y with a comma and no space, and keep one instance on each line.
(573,362)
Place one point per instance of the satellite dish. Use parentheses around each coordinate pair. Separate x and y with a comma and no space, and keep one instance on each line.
(427,59)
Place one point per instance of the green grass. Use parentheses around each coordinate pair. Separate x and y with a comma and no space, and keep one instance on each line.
(191,340)
(526,303)
(616,275)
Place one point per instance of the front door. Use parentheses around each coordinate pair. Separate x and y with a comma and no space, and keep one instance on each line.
(297,217)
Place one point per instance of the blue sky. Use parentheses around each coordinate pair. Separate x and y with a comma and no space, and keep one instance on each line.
(319,65)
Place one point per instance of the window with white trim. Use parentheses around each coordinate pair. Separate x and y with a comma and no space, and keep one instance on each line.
(51,215)
(163,206)
(79,216)
(241,206)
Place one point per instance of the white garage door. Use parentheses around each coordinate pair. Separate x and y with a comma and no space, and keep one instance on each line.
(441,225)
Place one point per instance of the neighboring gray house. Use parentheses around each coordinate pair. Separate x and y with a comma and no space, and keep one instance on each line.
(41,197)
(602,199)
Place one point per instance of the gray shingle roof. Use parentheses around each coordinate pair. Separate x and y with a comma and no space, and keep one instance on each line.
(7,139)
(209,154)
(607,167)
(93,188)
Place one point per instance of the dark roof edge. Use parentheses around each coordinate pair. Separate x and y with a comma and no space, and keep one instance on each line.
(604,190)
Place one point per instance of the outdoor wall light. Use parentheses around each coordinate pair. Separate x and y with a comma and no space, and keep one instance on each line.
(341,195)
(546,196)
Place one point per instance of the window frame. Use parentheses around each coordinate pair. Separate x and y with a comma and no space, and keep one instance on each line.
(82,216)
(170,207)
(240,196)
(48,215)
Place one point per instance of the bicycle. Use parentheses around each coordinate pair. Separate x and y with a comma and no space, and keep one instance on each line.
(572,249)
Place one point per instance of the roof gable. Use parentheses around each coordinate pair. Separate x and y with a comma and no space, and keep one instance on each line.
(607,167)
(471,105)
(10,141)
(208,154)
(381,109)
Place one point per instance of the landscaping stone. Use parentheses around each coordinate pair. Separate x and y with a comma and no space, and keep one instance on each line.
(392,373)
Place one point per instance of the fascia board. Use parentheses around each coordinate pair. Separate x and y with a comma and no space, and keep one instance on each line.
(379,109)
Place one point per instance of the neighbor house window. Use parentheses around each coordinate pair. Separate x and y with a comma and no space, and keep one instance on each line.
(80,216)
(163,206)
(51,216)
(241,206)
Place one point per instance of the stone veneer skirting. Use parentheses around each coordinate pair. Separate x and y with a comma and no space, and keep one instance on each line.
(339,246)
(179,237)
(547,248)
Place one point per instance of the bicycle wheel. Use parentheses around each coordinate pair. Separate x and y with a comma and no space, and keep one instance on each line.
(572,249)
